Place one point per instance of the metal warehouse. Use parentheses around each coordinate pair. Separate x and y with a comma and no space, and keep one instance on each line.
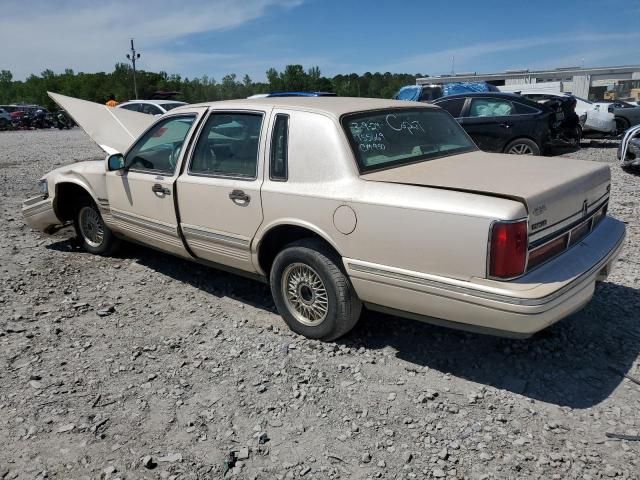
(595,83)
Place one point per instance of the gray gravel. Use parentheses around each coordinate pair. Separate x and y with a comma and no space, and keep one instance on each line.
(147,366)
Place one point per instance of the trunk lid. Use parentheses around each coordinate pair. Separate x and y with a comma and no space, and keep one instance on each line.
(554,190)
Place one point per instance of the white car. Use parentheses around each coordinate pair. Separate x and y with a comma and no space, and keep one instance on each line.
(151,107)
(593,116)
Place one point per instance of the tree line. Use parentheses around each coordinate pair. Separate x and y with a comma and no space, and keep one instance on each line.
(98,87)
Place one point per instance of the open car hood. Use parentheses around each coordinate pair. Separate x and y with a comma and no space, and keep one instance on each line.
(113,129)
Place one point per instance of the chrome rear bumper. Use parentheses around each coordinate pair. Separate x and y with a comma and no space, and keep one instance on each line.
(517,308)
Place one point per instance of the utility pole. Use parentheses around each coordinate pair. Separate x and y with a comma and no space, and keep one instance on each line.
(453,65)
(133,56)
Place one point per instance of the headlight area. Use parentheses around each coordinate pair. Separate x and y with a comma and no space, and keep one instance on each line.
(43,188)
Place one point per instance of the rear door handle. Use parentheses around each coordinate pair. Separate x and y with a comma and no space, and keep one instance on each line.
(506,125)
(239,197)
(157,188)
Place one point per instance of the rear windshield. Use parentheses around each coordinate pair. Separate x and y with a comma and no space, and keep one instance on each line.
(390,138)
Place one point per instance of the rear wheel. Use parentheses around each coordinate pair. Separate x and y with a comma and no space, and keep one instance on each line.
(312,293)
(622,124)
(94,236)
(522,146)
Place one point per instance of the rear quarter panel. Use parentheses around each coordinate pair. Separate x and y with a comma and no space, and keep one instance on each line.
(427,230)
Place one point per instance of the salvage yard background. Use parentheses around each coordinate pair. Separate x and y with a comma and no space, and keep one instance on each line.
(147,366)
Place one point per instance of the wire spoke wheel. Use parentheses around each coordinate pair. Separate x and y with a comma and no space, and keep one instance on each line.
(305,294)
(520,149)
(91,226)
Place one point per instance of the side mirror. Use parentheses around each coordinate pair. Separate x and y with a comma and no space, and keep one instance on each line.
(115,162)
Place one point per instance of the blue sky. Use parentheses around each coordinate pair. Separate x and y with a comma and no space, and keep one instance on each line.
(216,37)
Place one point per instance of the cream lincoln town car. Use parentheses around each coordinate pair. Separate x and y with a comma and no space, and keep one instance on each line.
(343,202)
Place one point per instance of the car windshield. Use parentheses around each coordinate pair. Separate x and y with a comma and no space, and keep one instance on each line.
(390,138)
(171,106)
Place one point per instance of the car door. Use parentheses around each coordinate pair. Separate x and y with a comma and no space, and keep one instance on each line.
(219,191)
(493,122)
(141,195)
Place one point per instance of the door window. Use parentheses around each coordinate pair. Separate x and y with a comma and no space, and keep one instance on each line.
(522,109)
(134,107)
(150,109)
(453,106)
(490,107)
(228,146)
(279,149)
(159,149)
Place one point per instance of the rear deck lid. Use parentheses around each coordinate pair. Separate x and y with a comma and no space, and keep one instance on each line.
(555,190)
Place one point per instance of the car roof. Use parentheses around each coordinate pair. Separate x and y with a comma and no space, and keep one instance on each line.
(333,106)
(504,95)
(154,102)
(507,95)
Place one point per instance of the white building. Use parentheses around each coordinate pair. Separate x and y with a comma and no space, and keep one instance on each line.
(581,82)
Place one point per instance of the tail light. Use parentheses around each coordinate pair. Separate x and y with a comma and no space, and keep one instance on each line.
(508,249)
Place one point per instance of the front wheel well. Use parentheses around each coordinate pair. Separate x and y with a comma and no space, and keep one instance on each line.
(69,197)
(278,238)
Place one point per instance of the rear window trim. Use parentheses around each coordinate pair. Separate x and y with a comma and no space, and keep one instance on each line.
(354,149)
(272,149)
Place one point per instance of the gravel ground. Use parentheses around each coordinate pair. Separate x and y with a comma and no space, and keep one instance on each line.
(147,366)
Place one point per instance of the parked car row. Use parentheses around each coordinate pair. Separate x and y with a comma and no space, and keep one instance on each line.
(527,121)
(32,117)
(509,123)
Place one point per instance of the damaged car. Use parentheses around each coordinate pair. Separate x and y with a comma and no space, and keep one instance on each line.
(340,203)
(629,150)
(502,122)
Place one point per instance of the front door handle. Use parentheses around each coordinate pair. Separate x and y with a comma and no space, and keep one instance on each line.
(239,197)
(157,188)
(506,125)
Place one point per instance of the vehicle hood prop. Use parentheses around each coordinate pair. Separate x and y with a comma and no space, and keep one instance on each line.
(113,129)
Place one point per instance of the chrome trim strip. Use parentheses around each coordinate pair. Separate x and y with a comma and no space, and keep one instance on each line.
(592,225)
(32,201)
(215,237)
(573,215)
(36,209)
(144,223)
(558,233)
(474,292)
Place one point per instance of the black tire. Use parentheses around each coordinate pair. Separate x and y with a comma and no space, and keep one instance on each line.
(577,132)
(524,145)
(343,305)
(622,125)
(104,244)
